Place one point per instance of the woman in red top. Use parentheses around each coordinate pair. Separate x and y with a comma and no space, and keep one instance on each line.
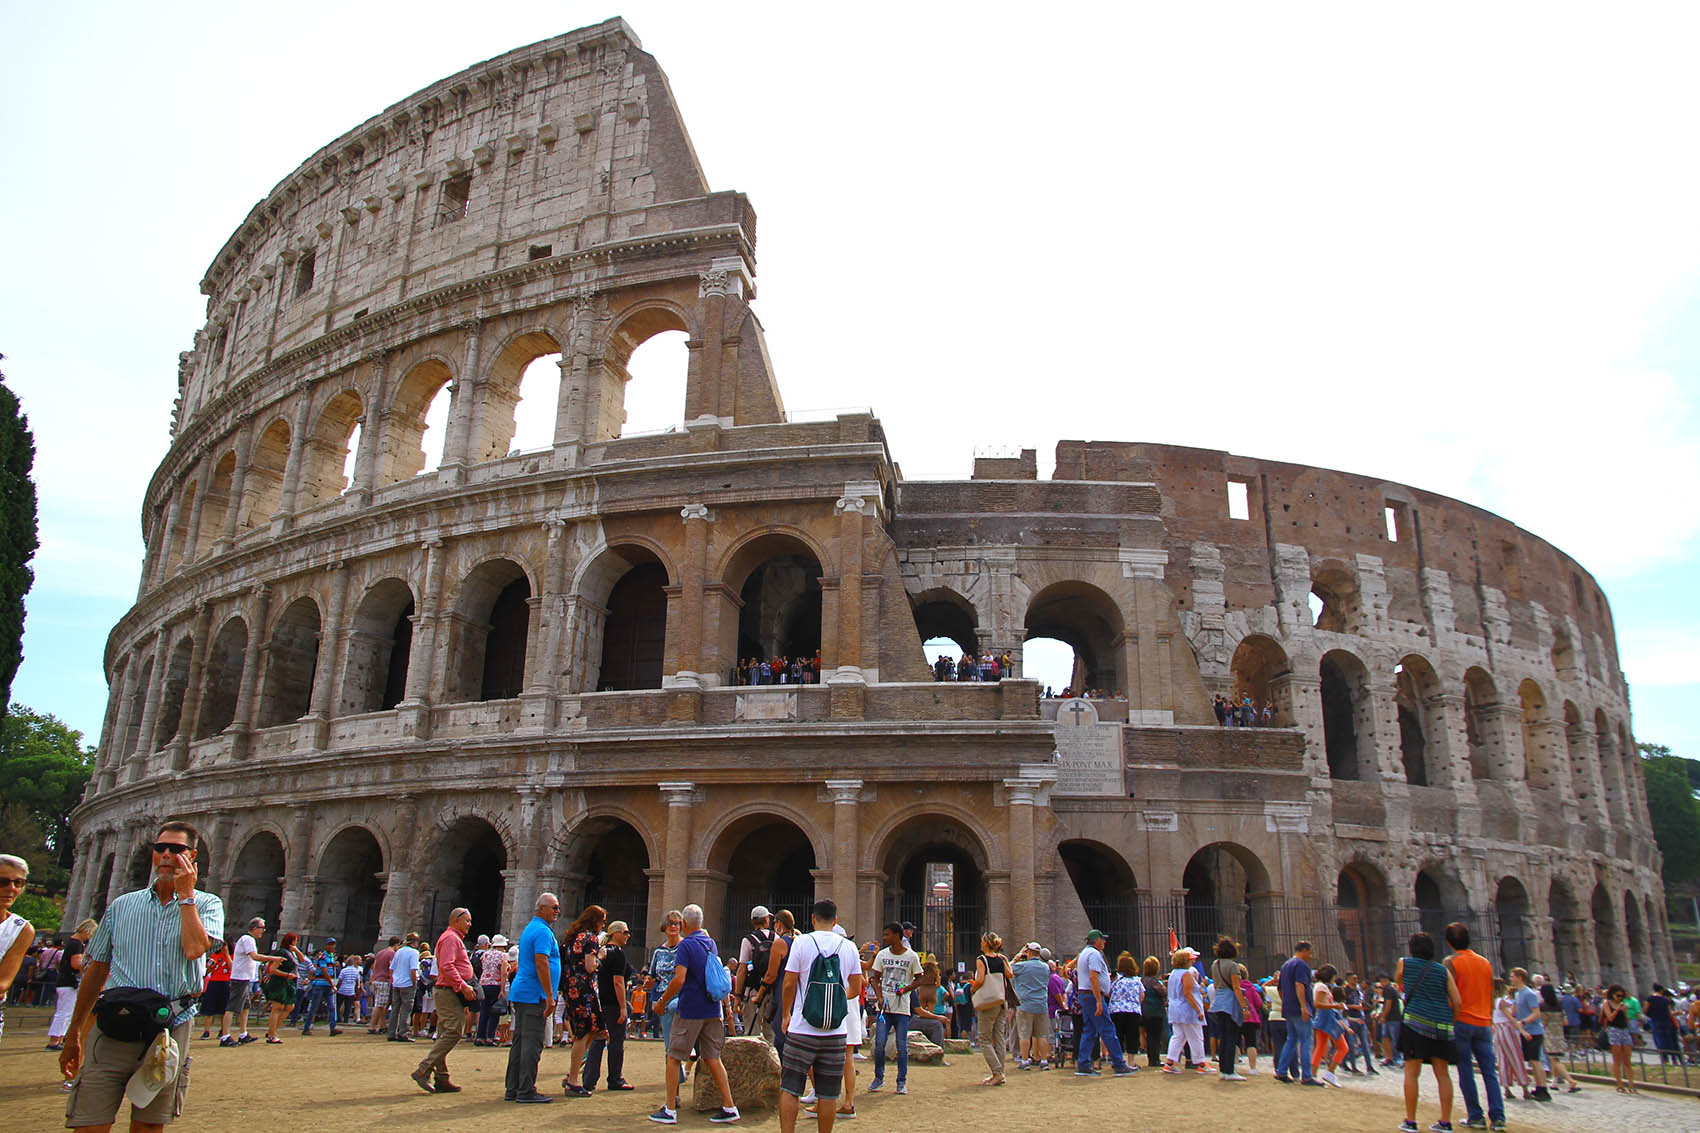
(215,1000)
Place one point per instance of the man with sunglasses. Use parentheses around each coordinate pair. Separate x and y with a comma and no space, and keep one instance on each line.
(155,938)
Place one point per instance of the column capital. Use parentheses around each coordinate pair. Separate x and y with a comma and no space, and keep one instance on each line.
(679,793)
(1021,792)
(844,791)
(696,511)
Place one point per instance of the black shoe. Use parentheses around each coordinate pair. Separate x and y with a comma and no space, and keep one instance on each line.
(622,1084)
(533,1099)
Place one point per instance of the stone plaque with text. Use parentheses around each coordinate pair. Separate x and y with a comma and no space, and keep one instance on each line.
(1089,754)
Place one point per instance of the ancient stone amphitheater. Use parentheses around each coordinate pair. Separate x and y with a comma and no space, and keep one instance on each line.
(387,684)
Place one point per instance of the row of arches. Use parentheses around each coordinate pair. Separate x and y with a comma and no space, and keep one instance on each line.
(1084,622)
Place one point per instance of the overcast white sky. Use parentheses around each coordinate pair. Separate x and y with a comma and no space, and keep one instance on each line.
(1451,245)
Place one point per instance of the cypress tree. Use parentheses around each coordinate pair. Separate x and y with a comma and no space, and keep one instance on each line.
(17,533)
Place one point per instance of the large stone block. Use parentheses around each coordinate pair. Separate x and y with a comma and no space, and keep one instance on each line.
(752,1070)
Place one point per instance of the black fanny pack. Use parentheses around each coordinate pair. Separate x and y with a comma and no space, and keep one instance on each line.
(131,1014)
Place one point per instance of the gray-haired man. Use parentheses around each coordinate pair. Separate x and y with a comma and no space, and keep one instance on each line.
(454,993)
(245,960)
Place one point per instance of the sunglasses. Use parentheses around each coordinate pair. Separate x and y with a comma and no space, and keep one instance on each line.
(14,882)
(170,848)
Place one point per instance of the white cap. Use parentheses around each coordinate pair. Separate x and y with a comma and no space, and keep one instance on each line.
(758,912)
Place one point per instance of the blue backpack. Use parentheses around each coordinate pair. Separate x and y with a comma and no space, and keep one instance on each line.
(717,979)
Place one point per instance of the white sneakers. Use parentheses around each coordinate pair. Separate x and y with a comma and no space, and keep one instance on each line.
(1328,1077)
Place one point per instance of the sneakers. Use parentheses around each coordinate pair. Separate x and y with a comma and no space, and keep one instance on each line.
(876,1085)
(903,1087)
(1088,1072)
(1441,1127)
(227,1041)
(1127,1071)
(1311,1082)
(664,1116)
(1476,1123)
(1283,1079)
(1253,1071)
(725,1115)
(1234,1078)
(245,1039)
(1044,1065)
(1205,1068)
(1328,1078)
(1171,1068)
(1408,1126)
(1498,1126)
(808,1098)
(1541,1095)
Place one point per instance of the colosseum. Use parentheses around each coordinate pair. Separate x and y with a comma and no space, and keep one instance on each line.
(391,669)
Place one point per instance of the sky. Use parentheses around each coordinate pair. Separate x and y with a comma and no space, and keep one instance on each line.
(1449,245)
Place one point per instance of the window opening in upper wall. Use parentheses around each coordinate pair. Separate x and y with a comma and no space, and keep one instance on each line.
(655,393)
(457,190)
(541,251)
(1392,520)
(304,273)
(349,461)
(436,432)
(1239,499)
(534,413)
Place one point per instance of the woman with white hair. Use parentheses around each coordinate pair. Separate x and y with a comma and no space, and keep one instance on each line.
(16,934)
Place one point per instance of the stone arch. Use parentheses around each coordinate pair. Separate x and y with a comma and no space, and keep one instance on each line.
(1481,726)
(776,573)
(1262,671)
(1511,917)
(221,679)
(1416,692)
(468,865)
(173,686)
(1576,758)
(350,892)
(1107,889)
(1363,905)
(402,454)
(138,701)
(215,505)
(935,868)
(1348,716)
(605,858)
(634,628)
(1090,622)
(380,648)
(1229,892)
(631,328)
(1611,770)
(489,632)
(1440,898)
(1568,927)
(498,422)
(1339,603)
(255,883)
(1612,967)
(292,659)
(262,485)
(942,612)
(1639,960)
(592,589)
(181,549)
(768,856)
(1540,752)
(325,455)
(103,887)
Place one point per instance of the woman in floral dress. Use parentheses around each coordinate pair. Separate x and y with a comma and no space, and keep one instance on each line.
(578,990)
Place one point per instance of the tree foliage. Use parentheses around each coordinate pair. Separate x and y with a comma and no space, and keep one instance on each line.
(43,769)
(1671,783)
(17,533)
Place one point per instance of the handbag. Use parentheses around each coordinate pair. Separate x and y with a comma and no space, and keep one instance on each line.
(131,1014)
(993,988)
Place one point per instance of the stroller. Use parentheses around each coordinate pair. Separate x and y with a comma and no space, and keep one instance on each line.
(1067,1040)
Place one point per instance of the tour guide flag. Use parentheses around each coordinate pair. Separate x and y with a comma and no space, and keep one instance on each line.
(1174,941)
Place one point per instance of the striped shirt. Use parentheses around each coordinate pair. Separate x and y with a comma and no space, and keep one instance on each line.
(142,940)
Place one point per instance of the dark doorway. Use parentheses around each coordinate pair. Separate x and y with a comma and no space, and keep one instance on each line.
(782,609)
(350,894)
(634,636)
(1106,888)
(470,860)
(772,865)
(504,649)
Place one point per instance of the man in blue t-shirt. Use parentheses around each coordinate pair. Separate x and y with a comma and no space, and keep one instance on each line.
(700,1022)
(1294,986)
(531,995)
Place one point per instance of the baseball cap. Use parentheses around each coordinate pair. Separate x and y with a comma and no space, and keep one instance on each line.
(759,911)
(1096,934)
(1032,946)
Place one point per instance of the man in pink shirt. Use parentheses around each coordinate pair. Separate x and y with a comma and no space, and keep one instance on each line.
(455,992)
(381,986)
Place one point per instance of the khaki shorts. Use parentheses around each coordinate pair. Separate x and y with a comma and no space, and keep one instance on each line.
(1031,1025)
(107,1066)
(707,1035)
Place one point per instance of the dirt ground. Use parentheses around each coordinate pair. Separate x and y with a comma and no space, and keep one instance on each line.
(358,1082)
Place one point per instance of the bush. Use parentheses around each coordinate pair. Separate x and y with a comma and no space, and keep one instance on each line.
(42,912)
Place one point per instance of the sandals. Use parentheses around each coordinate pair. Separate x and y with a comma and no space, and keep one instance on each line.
(275,1042)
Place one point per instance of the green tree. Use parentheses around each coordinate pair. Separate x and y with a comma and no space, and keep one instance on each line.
(1675,811)
(43,769)
(17,533)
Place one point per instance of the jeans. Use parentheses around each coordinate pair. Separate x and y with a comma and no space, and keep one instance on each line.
(1095,1027)
(1294,1060)
(1227,1035)
(320,996)
(615,1044)
(1476,1043)
(527,1048)
(487,1015)
(1358,1043)
(891,1021)
(401,1012)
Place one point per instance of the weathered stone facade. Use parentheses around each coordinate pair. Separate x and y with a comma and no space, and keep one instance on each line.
(390,692)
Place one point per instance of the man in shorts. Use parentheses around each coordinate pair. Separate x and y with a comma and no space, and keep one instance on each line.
(381,988)
(701,1020)
(245,960)
(154,939)
(1032,1020)
(811,1049)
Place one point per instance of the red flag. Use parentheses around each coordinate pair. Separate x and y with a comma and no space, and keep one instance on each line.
(1174,942)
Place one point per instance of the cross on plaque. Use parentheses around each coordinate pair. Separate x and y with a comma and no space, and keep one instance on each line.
(1077,708)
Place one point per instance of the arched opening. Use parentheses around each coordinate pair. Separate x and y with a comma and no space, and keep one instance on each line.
(1089,622)
(1511,913)
(1567,930)
(140,873)
(768,861)
(1441,900)
(1107,890)
(181,549)
(329,451)
(655,389)
(1640,957)
(103,887)
(1576,755)
(1228,894)
(935,876)
(380,645)
(1261,671)
(215,507)
(1416,689)
(292,658)
(634,631)
(1481,731)
(1336,606)
(611,858)
(417,427)
(1611,966)
(1348,716)
(521,398)
(778,580)
(1052,663)
(490,632)
(466,872)
(350,894)
(262,487)
(946,623)
(172,689)
(138,703)
(1363,906)
(1611,769)
(1563,656)
(221,679)
(1539,754)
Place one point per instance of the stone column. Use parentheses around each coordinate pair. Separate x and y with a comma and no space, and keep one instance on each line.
(323,703)
(189,718)
(544,643)
(238,482)
(217,854)
(87,862)
(162,558)
(846,796)
(372,422)
(680,796)
(297,856)
(1586,777)
(393,915)
(117,880)
(248,695)
(686,647)
(145,745)
(1019,794)
(465,402)
(423,664)
(846,662)
(292,466)
(1448,741)
(522,887)
(192,552)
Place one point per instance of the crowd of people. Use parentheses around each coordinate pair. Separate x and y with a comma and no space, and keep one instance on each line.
(780,670)
(159,957)
(967,667)
(1243,714)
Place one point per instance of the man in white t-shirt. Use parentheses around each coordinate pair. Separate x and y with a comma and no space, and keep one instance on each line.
(897,973)
(245,960)
(809,1048)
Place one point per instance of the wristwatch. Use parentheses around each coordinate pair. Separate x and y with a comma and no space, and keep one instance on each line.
(185,900)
